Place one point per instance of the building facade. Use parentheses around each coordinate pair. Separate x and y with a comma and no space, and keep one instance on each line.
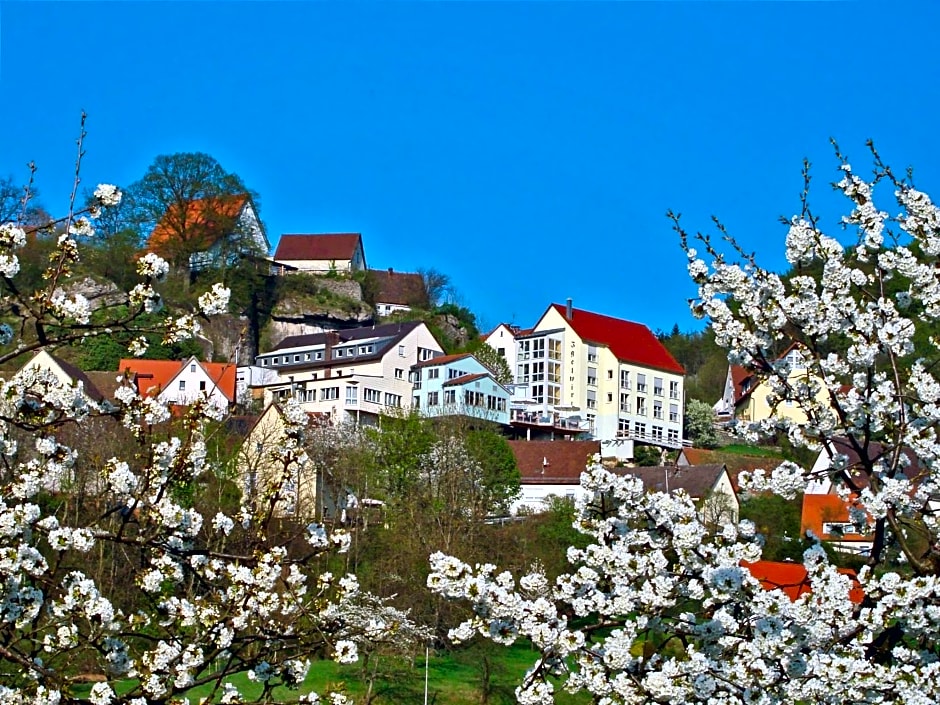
(605,377)
(459,385)
(352,375)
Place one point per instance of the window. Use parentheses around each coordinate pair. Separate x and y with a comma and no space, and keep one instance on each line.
(640,406)
(657,409)
(454,374)
(202,386)
(641,383)
(538,371)
(425,354)
(501,351)
(592,353)
(591,399)
(307,357)
(610,374)
(318,356)
(672,435)
(554,349)
(450,396)
(674,413)
(399,373)
(554,372)
(434,373)
(592,375)
(352,394)
(625,403)
(276,361)
(337,353)
(658,433)
(554,395)
(182,385)
(401,351)
(639,430)
(296,358)
(524,347)
(625,379)
(392,399)
(538,347)
(416,402)
(522,374)
(373,396)
(673,390)
(329,393)
(432,398)
(538,393)
(365,349)
(192,368)
(264,363)
(658,386)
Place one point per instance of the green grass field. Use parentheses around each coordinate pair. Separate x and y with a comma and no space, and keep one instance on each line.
(453,678)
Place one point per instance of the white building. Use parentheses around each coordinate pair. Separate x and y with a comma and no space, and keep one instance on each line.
(355,374)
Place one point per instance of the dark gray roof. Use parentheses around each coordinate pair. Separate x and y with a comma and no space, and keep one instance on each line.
(697,480)
(385,330)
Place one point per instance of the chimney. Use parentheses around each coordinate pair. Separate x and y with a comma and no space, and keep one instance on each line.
(391,271)
(332,338)
(569,311)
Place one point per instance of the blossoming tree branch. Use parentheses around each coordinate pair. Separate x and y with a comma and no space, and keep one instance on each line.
(208,596)
(660,609)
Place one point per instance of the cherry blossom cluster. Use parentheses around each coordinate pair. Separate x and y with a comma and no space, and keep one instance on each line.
(658,608)
(204,595)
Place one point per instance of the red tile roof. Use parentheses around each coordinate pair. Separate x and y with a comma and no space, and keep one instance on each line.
(553,462)
(326,246)
(150,376)
(792,579)
(630,342)
(402,288)
(463,379)
(823,508)
(153,376)
(205,221)
(442,360)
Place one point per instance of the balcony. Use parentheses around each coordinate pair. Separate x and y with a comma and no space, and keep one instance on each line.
(548,420)
(659,440)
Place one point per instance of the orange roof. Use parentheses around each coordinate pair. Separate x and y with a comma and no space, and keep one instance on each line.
(792,579)
(204,220)
(153,376)
(819,509)
(150,376)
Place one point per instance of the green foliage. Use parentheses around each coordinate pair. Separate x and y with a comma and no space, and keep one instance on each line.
(104,352)
(647,456)
(400,442)
(490,359)
(706,365)
(700,424)
(500,474)
(778,519)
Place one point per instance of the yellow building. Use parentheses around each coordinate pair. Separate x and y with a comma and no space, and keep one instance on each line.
(752,391)
(604,376)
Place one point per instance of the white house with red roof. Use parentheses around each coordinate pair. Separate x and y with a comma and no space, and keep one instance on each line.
(598,375)
(321,253)
(459,385)
(181,383)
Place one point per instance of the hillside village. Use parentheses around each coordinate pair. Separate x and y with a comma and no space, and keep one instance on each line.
(575,384)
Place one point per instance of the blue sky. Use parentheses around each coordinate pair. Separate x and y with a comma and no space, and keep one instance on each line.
(528,150)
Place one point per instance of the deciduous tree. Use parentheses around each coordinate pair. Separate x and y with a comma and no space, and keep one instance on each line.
(657,608)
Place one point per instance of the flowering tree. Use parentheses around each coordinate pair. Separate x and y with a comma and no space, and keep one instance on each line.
(656,608)
(205,596)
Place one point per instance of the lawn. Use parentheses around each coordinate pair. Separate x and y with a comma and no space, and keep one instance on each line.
(454,678)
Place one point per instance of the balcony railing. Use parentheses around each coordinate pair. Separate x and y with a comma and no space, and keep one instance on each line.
(659,440)
(547,420)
